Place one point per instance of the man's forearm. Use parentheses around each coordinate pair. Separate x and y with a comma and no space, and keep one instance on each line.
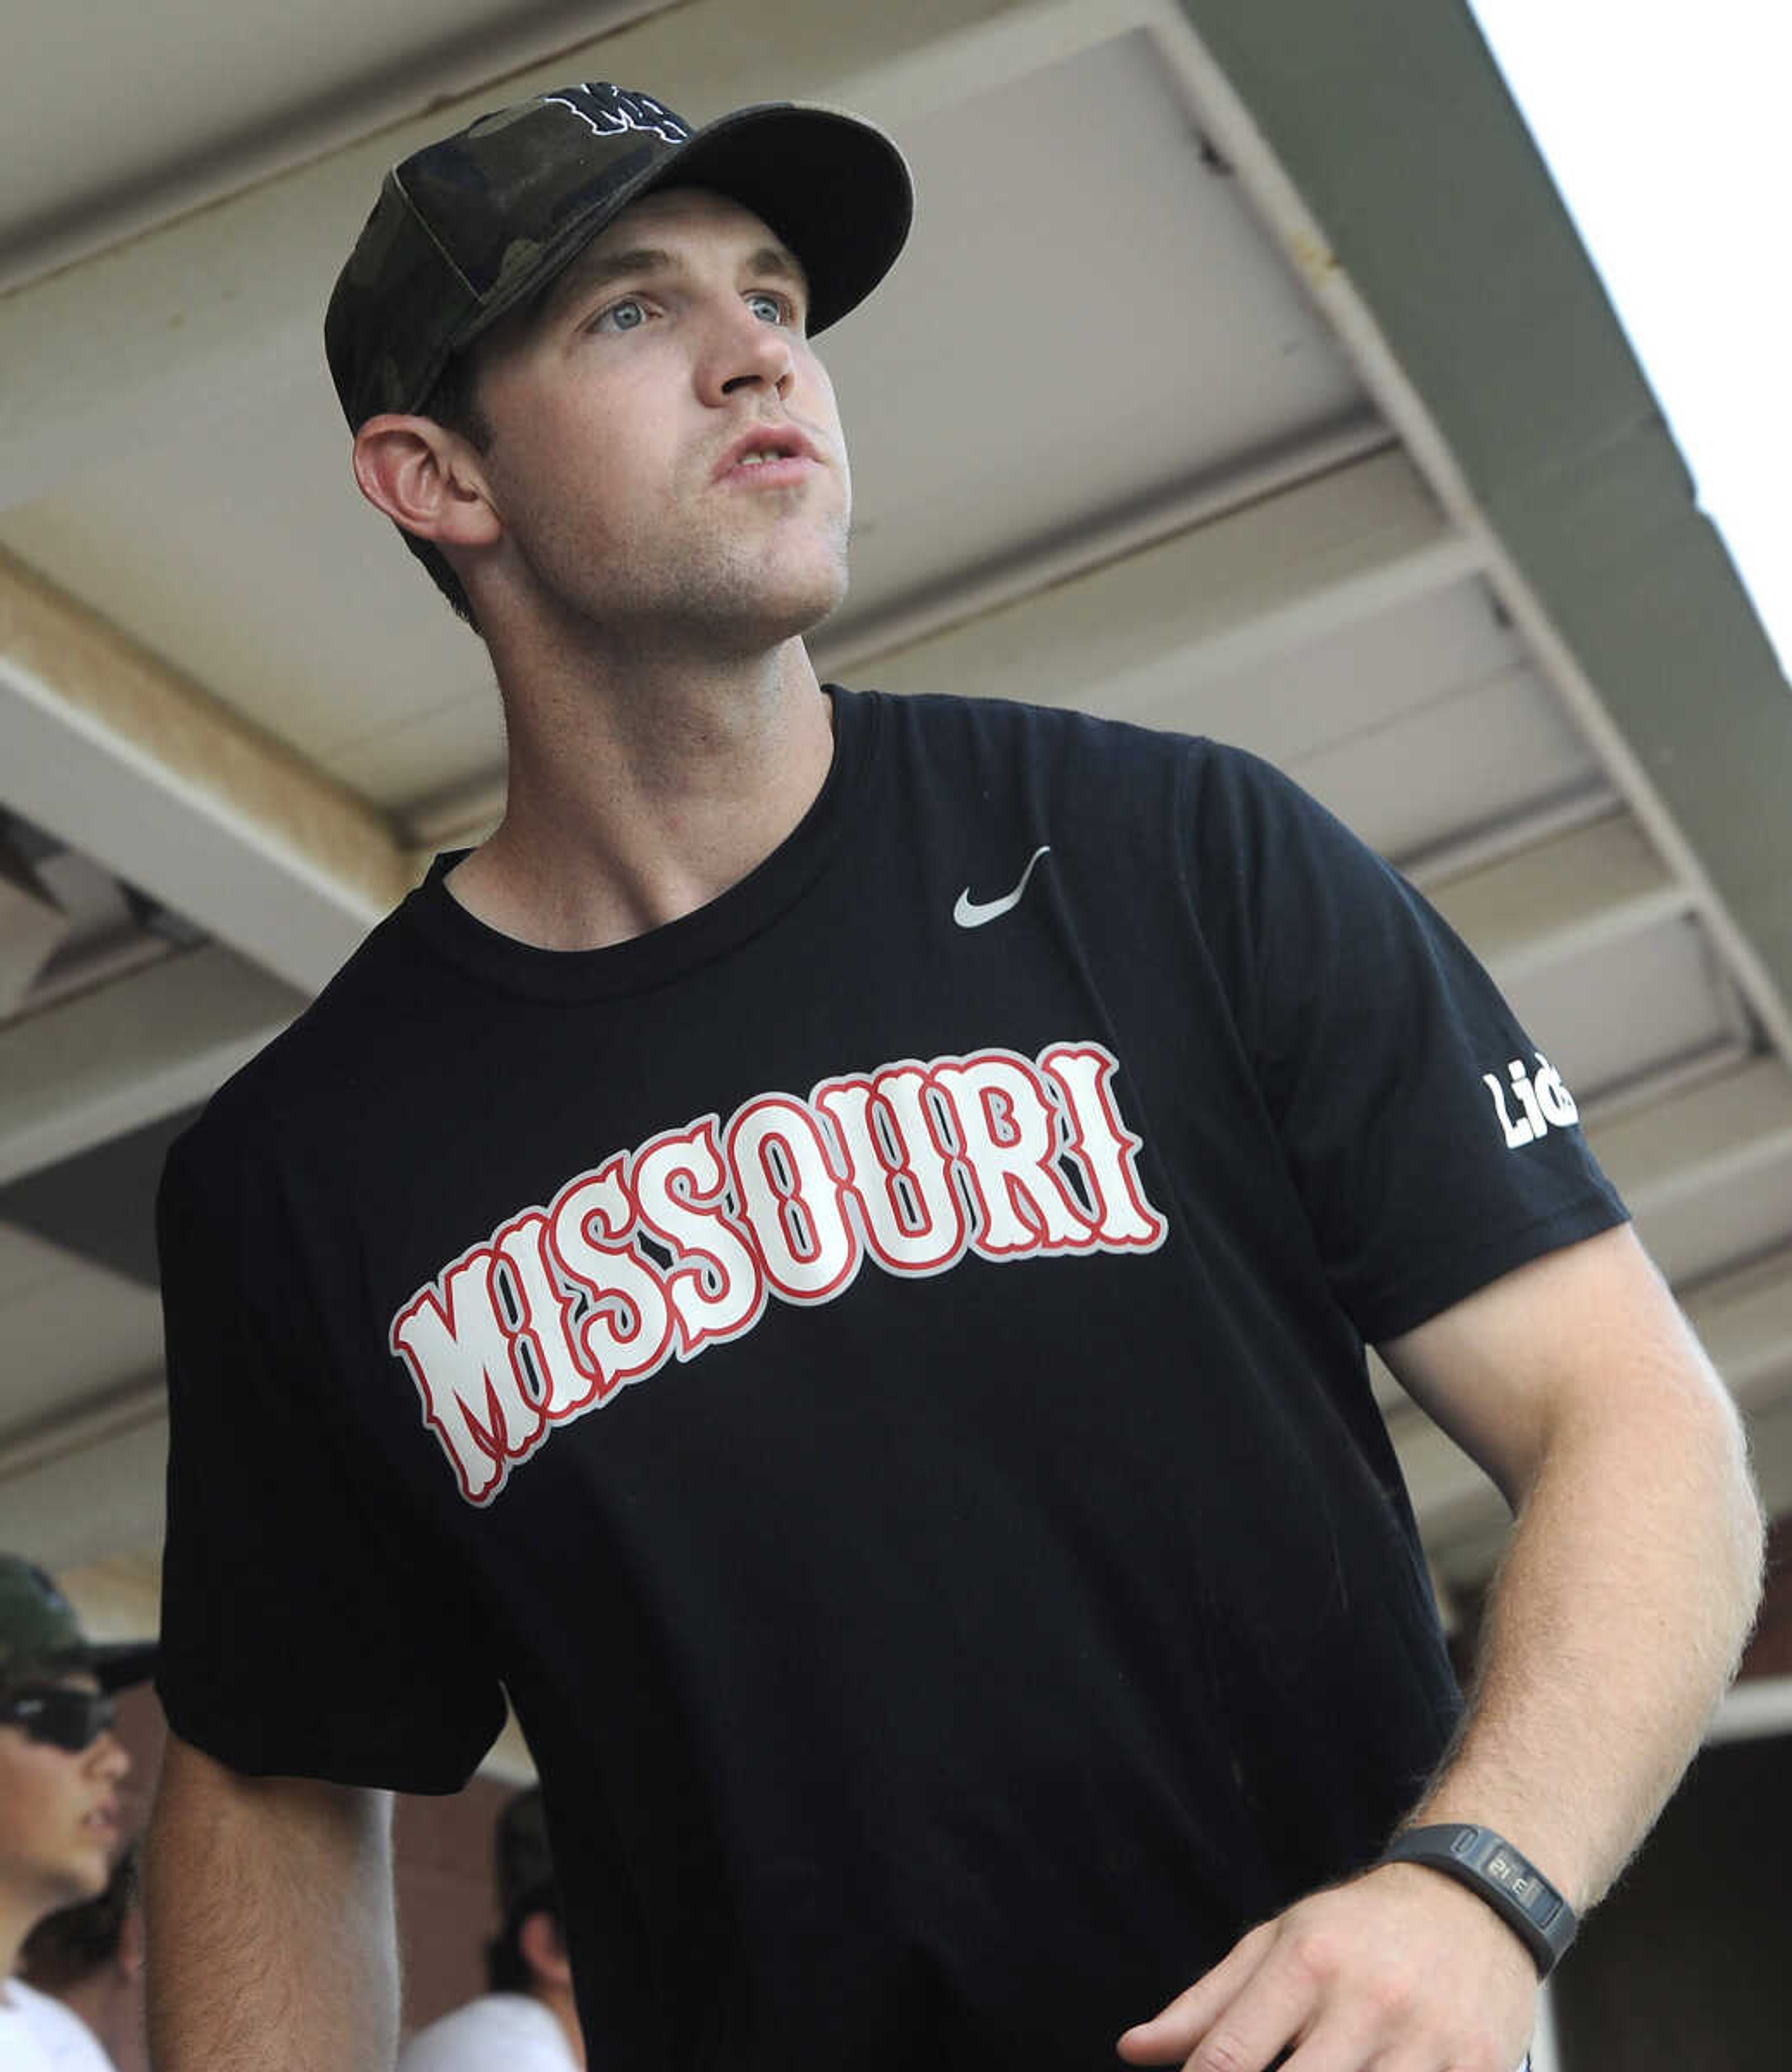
(1614,1627)
(272,1944)
(1631,1582)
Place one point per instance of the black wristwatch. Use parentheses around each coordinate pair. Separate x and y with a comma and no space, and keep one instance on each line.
(1510,1884)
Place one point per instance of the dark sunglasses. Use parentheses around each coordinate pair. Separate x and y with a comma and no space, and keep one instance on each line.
(71,1720)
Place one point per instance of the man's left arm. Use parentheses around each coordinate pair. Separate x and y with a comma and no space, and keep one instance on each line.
(1625,1596)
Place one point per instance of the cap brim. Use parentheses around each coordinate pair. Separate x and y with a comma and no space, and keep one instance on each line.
(119,1664)
(834,189)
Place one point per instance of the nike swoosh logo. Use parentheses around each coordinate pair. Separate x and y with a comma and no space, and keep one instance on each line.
(971,913)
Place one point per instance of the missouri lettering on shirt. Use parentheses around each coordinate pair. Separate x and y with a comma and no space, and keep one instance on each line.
(679,1243)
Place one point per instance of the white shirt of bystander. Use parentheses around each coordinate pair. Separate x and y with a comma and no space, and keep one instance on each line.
(40,2034)
(509,2031)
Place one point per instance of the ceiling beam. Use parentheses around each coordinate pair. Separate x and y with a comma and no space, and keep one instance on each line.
(91,1486)
(1487,337)
(1145,632)
(124,760)
(107,1062)
(32,928)
(1707,1170)
(1702,1140)
(1562,898)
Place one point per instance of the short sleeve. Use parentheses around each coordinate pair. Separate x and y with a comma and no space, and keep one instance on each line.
(1433,1143)
(308,1630)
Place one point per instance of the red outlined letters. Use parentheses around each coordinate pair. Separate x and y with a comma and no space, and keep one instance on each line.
(664,1251)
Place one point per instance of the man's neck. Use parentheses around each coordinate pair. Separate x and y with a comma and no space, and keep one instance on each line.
(637,794)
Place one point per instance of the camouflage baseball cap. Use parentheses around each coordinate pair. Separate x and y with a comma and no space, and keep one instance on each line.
(467,228)
(40,1635)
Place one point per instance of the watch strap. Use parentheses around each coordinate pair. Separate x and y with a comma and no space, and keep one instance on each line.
(1504,1877)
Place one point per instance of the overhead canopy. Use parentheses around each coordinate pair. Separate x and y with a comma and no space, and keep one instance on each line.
(1244,375)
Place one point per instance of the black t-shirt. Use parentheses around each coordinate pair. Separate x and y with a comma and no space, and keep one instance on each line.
(875,1369)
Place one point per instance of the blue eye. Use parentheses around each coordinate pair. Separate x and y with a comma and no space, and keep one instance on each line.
(628,315)
(768,308)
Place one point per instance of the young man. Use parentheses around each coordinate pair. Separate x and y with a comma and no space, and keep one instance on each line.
(829,1260)
(61,1769)
(526,2020)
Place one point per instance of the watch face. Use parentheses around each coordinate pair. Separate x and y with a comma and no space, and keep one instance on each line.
(1513,1872)
(1510,1883)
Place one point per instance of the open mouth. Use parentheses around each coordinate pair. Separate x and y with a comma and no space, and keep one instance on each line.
(768,445)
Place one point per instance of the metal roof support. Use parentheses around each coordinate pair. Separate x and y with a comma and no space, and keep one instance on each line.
(126,761)
(1436,214)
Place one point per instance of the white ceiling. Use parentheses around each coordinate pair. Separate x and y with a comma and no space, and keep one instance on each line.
(1126,434)
(115,115)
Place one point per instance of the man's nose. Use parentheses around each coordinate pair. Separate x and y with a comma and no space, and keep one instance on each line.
(743,352)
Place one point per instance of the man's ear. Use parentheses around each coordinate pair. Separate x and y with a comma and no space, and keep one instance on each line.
(426,479)
(544,1949)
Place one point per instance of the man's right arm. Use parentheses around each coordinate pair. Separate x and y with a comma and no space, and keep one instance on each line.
(273,1946)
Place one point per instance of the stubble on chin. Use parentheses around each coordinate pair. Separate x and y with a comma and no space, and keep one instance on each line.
(723,589)
(740,599)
